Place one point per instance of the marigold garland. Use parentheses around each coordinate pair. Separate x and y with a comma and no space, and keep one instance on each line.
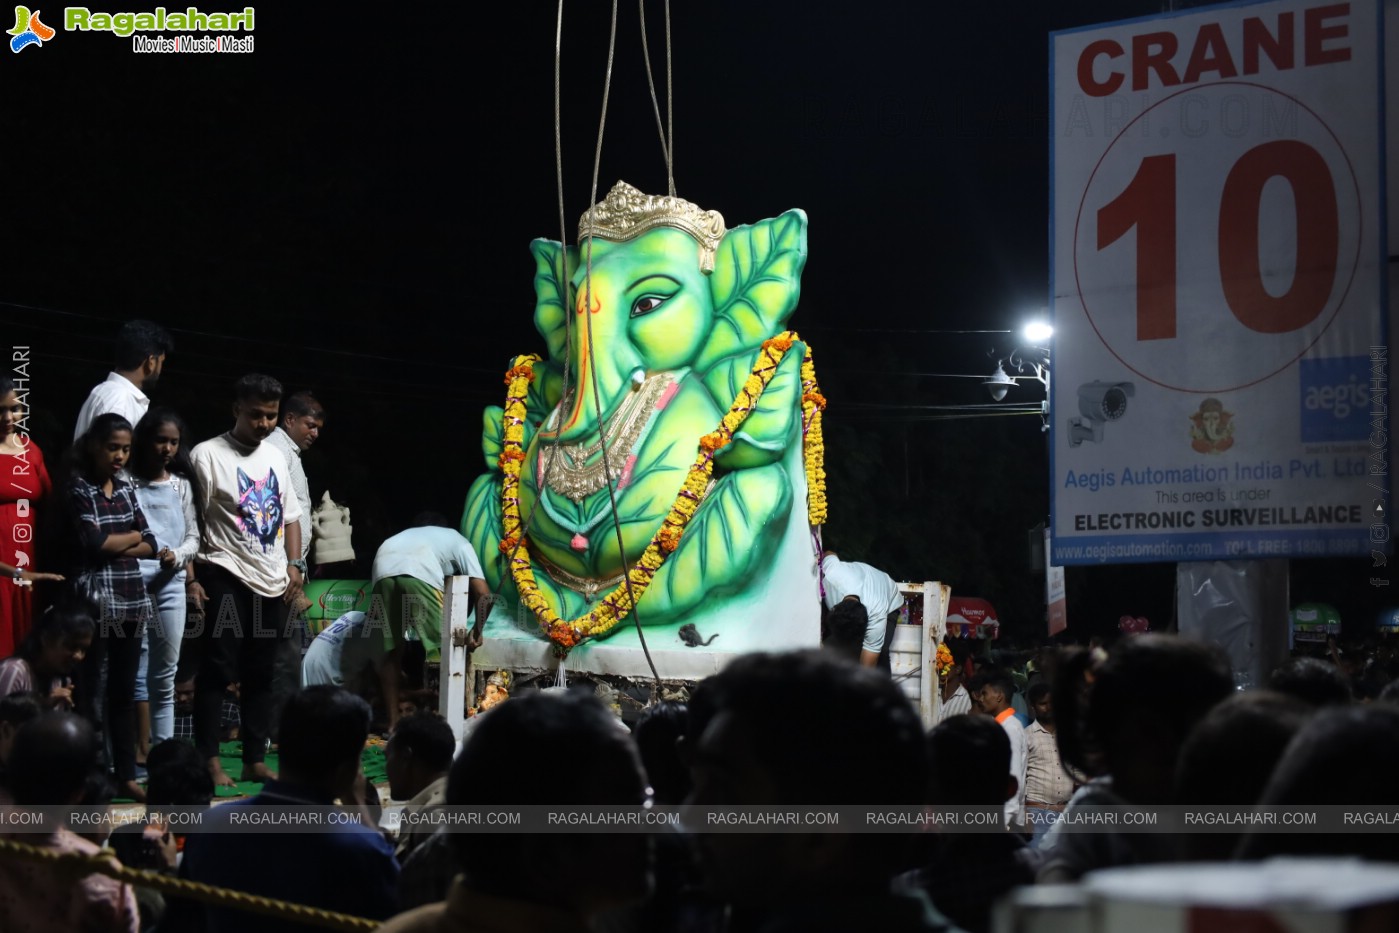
(519,370)
(714,441)
(944,660)
(669,539)
(616,605)
(814,449)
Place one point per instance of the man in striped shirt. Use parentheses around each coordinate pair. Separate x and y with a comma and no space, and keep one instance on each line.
(1047,786)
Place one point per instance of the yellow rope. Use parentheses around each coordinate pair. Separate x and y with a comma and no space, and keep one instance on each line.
(105,863)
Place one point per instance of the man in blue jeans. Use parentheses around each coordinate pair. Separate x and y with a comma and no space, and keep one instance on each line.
(250,564)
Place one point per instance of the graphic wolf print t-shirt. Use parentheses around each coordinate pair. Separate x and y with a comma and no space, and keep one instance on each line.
(248,502)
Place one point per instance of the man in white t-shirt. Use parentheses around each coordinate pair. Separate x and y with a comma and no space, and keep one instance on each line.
(879,594)
(302,421)
(991,692)
(250,564)
(141,350)
(409,576)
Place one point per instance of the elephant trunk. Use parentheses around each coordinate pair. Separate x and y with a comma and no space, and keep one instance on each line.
(606,358)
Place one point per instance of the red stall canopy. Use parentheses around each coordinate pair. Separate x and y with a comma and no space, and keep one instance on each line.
(970,617)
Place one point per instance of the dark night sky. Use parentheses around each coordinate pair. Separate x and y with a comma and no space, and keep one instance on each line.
(349,208)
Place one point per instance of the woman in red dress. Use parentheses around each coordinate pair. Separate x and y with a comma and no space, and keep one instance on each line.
(23,483)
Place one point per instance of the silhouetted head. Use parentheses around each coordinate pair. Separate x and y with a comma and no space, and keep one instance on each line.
(418,753)
(1230,756)
(848,621)
(656,733)
(52,757)
(1312,681)
(321,739)
(1129,715)
(1345,756)
(566,748)
(803,728)
(969,758)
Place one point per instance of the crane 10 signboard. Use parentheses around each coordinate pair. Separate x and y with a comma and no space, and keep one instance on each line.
(1220,366)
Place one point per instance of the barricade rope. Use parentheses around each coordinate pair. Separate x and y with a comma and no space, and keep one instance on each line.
(78,864)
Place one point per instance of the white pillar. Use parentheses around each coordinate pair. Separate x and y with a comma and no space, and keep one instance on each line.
(456,660)
(935,596)
(1241,606)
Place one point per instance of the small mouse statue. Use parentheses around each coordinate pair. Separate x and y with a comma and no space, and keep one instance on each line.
(691,636)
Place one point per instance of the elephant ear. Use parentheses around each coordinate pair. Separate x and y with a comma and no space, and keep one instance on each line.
(492,435)
(551,305)
(755,284)
(480,524)
(771,427)
(544,393)
(725,544)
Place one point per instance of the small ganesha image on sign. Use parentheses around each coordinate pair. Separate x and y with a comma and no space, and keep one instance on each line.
(1212,428)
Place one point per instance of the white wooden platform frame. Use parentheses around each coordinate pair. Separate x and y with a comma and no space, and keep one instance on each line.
(458,673)
(456,661)
(935,597)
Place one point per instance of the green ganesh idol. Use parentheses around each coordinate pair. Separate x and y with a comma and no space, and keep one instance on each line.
(663,465)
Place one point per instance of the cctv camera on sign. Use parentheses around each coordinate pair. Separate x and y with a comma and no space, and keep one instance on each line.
(1100,402)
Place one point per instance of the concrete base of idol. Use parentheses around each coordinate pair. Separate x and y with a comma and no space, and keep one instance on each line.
(780,611)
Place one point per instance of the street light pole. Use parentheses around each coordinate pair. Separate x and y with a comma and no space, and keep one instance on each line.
(1036,360)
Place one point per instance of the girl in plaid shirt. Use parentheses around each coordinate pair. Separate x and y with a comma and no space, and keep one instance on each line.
(112,535)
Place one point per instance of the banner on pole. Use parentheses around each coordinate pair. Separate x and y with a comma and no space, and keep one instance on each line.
(1220,368)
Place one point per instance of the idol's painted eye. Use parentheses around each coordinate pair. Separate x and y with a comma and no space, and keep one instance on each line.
(647,303)
(651,292)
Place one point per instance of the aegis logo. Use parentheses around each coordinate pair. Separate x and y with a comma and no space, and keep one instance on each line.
(1340,400)
(1334,397)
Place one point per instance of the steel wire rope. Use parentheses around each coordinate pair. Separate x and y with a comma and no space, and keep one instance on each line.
(565,305)
(668,131)
(597,393)
(568,312)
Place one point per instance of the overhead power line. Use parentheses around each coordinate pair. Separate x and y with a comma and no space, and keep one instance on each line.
(258,340)
(846,328)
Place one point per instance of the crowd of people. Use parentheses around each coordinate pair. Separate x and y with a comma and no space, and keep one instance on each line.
(136,507)
(145,523)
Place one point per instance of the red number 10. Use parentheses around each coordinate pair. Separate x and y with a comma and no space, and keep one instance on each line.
(1149,204)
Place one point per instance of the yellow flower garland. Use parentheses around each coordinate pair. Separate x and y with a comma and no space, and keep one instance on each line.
(814,447)
(944,659)
(616,605)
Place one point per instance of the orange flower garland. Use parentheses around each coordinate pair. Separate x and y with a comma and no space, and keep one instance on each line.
(814,446)
(617,604)
(944,659)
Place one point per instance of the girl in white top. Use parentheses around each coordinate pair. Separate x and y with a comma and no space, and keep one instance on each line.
(166,488)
